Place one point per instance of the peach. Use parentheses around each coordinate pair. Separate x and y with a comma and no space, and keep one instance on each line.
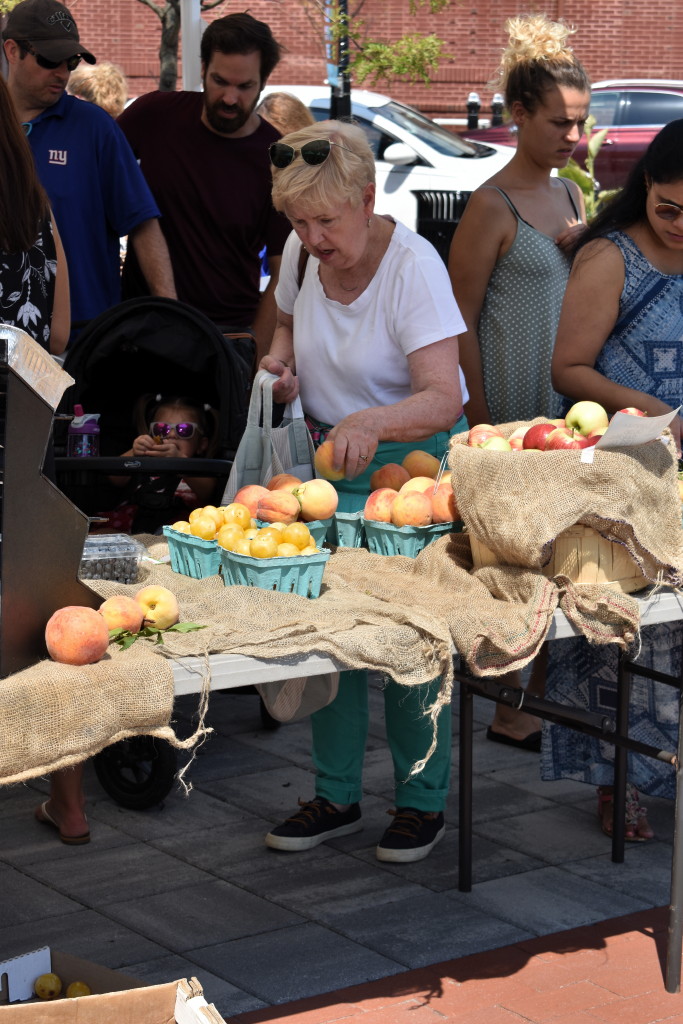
(444,505)
(159,606)
(419,463)
(323,462)
(249,495)
(411,509)
(283,482)
(378,506)
(76,635)
(318,500)
(392,475)
(278,507)
(122,612)
(423,484)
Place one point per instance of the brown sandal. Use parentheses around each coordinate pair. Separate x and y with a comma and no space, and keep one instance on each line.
(638,828)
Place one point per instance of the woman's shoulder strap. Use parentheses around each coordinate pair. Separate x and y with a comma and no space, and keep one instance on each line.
(507,199)
(571,198)
(301,265)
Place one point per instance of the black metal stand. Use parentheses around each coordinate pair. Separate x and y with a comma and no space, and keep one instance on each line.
(614,731)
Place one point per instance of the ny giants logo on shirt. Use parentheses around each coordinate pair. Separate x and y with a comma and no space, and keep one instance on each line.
(57,156)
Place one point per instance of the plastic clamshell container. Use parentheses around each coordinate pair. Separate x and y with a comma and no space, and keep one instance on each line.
(387,539)
(317,529)
(347,530)
(301,574)
(111,556)
(192,556)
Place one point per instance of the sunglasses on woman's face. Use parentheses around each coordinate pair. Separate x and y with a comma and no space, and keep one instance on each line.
(49,65)
(184,431)
(668,211)
(314,152)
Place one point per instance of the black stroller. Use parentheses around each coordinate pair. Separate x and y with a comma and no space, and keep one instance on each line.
(140,347)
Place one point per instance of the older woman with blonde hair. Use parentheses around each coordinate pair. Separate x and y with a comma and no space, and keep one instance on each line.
(103,84)
(367,334)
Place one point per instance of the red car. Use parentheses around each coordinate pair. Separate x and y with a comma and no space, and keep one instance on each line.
(632,109)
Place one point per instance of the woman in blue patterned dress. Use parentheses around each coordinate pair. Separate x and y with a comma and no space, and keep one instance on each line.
(619,343)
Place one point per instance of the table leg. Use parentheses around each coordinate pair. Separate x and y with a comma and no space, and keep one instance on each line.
(675,937)
(465,789)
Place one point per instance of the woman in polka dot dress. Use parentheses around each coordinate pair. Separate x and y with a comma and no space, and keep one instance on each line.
(508,261)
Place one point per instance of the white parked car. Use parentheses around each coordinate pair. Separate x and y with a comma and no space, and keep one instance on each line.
(425,174)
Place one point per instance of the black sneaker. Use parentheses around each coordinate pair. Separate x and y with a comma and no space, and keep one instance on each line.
(315,823)
(412,835)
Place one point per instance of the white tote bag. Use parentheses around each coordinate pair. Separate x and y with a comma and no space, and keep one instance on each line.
(265,450)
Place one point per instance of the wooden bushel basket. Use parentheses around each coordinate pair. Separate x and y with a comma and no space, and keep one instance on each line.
(584,556)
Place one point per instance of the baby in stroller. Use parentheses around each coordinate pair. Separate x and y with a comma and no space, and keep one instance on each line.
(172,427)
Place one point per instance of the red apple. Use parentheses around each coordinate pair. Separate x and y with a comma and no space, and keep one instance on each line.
(586,417)
(562,438)
(518,432)
(632,411)
(480,433)
(595,436)
(535,436)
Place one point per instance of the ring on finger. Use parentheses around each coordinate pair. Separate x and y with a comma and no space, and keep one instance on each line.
(363,458)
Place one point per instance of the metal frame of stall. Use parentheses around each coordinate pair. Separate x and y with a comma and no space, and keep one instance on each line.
(614,730)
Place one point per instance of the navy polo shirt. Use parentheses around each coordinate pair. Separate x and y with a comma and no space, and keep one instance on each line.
(97,193)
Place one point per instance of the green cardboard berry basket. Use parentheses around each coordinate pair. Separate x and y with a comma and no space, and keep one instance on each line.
(387,539)
(347,530)
(192,556)
(302,574)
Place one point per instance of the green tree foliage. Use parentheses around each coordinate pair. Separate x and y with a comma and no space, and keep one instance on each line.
(412,58)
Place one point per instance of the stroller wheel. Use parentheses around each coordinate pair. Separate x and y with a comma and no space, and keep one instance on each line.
(137,772)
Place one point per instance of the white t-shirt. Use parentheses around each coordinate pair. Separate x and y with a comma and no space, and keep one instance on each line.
(353,357)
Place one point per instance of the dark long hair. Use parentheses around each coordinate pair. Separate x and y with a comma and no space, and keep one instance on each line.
(23,202)
(662,163)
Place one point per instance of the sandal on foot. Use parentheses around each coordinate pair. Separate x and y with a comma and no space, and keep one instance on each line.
(637,826)
(43,815)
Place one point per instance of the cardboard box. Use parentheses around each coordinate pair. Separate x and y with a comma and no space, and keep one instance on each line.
(116,998)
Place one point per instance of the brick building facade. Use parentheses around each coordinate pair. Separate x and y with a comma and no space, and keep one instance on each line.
(615,38)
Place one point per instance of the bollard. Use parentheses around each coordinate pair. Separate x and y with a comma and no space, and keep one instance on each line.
(473,108)
(497,104)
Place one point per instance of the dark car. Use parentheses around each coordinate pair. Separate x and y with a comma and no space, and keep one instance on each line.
(632,109)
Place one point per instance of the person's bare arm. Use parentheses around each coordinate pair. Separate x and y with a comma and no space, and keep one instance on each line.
(265,320)
(280,359)
(434,405)
(60,326)
(151,250)
(589,313)
(480,237)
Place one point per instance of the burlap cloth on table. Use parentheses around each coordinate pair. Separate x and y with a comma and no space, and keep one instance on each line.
(398,615)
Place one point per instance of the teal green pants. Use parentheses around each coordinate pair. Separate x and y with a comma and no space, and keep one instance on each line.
(340,733)
(340,730)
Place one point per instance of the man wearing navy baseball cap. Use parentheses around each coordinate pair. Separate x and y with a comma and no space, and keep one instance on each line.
(96,189)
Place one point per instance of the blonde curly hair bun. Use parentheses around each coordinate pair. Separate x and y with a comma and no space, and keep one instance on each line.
(537,56)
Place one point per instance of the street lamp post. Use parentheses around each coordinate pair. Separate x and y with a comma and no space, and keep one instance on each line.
(340,78)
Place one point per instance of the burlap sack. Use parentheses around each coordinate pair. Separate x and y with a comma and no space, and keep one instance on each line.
(397,615)
(517,503)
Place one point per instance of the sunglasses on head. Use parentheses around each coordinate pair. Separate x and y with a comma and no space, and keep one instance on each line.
(182,430)
(668,211)
(314,152)
(49,65)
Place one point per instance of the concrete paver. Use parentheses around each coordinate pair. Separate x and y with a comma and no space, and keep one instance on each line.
(190,889)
